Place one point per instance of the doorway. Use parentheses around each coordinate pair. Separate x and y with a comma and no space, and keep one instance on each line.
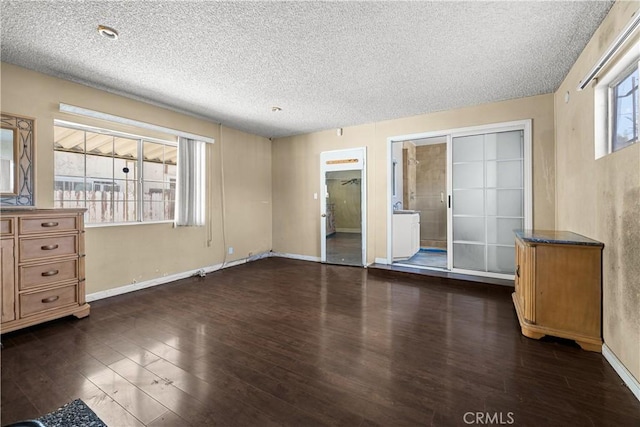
(420,198)
(487,195)
(343,207)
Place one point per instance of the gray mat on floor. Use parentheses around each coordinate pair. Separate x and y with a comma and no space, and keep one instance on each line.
(73,414)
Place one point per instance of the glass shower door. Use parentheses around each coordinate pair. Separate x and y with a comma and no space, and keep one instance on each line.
(488,200)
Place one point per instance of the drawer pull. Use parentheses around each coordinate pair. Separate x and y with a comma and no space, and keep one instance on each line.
(50,299)
(49,224)
(49,247)
(518,271)
(50,273)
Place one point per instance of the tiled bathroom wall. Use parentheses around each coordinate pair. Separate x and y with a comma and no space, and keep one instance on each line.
(431,194)
(409,175)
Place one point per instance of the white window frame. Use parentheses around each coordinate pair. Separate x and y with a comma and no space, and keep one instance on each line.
(612,110)
(140,164)
(603,99)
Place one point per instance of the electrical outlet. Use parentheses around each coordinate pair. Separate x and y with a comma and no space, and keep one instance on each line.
(230,250)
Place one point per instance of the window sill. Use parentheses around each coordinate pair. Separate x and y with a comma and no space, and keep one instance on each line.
(125,224)
(623,146)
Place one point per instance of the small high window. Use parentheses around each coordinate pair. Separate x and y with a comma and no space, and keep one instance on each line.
(623,110)
(617,112)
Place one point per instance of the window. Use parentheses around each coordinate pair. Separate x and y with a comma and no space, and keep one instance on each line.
(616,112)
(118,177)
(623,110)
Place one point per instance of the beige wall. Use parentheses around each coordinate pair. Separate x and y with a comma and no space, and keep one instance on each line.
(296,170)
(601,198)
(296,177)
(120,255)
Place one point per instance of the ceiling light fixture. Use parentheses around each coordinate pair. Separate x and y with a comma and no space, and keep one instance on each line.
(107,32)
(275,109)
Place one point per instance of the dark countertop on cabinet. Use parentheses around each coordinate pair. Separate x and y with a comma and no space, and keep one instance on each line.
(557,237)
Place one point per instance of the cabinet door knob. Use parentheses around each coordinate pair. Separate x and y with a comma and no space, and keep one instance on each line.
(50,299)
(49,224)
(323,215)
(50,273)
(518,271)
(49,247)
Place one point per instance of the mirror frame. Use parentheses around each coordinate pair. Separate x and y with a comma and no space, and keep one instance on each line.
(24,156)
(14,187)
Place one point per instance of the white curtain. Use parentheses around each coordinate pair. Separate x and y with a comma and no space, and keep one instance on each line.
(190,209)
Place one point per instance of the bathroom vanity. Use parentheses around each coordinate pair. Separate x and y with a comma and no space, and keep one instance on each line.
(406,234)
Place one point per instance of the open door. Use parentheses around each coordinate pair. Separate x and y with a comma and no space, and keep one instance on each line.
(343,207)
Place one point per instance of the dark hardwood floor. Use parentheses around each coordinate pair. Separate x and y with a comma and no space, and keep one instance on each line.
(284,342)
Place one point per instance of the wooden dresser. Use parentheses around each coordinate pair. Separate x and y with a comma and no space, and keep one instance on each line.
(558,286)
(42,261)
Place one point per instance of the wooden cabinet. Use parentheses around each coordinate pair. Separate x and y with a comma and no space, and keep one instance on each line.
(7,280)
(558,286)
(42,266)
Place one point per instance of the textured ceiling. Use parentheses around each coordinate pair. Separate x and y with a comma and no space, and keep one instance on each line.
(326,64)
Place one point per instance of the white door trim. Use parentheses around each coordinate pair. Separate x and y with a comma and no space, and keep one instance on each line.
(343,160)
(449,206)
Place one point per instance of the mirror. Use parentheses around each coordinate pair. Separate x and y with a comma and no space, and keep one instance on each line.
(17,162)
(8,161)
(344,217)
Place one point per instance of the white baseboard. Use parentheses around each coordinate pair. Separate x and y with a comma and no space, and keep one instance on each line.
(141,285)
(296,256)
(241,261)
(631,382)
(259,256)
(170,278)
(209,269)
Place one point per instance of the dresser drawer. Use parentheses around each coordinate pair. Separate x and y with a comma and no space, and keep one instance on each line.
(7,225)
(47,247)
(51,272)
(48,224)
(36,302)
